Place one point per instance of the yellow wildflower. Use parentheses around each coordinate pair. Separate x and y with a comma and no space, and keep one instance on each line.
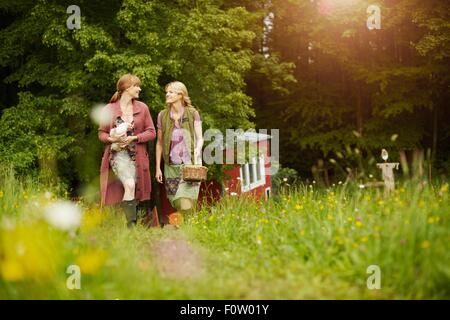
(91,219)
(91,261)
(12,270)
(425,244)
(29,252)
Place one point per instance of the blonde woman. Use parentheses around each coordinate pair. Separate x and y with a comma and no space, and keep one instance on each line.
(125,133)
(180,141)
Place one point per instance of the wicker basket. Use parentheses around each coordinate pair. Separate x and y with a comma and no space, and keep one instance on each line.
(194,173)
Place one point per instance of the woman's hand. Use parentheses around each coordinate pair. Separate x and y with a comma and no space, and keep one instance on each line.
(130,139)
(127,140)
(115,138)
(158,175)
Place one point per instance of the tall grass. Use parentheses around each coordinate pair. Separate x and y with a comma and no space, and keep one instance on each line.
(307,243)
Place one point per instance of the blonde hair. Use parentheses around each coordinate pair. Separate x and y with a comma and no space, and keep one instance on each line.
(125,81)
(179,87)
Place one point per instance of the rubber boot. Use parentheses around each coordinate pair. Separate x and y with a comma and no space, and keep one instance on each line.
(130,208)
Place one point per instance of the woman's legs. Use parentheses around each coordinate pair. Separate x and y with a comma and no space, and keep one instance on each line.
(185,193)
(128,185)
(129,203)
(183,207)
(125,170)
(130,208)
(185,204)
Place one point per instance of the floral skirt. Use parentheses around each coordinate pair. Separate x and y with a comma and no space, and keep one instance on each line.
(176,187)
(123,166)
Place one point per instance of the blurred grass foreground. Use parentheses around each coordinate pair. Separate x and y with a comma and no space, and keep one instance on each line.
(308,243)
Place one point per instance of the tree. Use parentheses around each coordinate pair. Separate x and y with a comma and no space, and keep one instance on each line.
(358,87)
(61,73)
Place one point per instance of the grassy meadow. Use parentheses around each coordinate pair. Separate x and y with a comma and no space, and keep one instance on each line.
(309,243)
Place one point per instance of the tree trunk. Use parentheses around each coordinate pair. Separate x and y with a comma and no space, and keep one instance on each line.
(359,111)
(434,144)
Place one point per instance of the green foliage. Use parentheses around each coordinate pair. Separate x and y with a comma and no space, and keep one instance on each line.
(324,75)
(38,128)
(378,83)
(62,73)
(284,179)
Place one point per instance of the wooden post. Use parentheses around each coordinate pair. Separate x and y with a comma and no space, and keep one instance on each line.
(387,174)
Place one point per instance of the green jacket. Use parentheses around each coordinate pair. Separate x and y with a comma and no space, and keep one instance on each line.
(168,124)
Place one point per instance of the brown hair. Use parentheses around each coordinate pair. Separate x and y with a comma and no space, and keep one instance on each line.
(125,81)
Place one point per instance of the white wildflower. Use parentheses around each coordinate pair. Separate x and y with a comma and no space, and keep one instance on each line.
(100,115)
(63,215)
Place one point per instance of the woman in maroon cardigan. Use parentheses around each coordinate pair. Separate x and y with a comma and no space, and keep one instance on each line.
(129,158)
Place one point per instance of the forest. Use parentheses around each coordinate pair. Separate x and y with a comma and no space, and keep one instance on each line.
(353,86)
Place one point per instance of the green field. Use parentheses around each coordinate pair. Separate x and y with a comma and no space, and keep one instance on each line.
(307,244)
